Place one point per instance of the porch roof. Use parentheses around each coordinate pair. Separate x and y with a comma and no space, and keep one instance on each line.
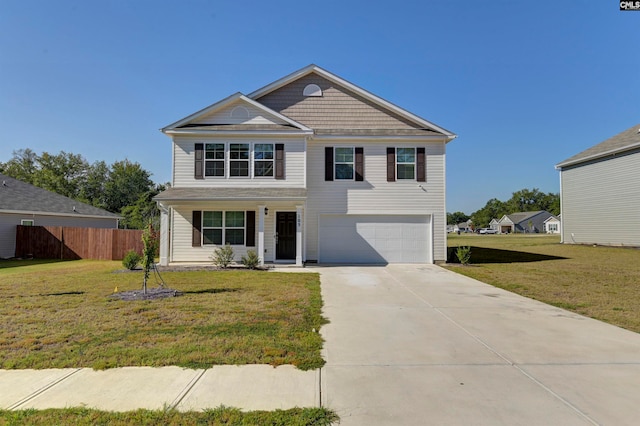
(231,194)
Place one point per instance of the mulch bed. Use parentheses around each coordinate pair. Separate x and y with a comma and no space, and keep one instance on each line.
(152,293)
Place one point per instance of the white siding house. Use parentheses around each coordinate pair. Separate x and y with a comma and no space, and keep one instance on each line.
(309,168)
(600,192)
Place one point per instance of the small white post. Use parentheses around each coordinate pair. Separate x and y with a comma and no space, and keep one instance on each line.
(299,219)
(261,214)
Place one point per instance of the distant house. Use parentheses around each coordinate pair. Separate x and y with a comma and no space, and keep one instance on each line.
(25,204)
(495,225)
(524,222)
(600,191)
(464,226)
(552,225)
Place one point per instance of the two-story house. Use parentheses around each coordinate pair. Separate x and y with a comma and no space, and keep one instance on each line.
(310,168)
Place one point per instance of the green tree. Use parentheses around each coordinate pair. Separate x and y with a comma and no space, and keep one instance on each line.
(494,209)
(456,217)
(143,211)
(22,166)
(93,190)
(62,173)
(126,183)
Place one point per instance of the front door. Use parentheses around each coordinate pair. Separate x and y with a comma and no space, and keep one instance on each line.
(285,235)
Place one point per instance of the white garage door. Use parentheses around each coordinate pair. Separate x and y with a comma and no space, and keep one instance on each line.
(374,239)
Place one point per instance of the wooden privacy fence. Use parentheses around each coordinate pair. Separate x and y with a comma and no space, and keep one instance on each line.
(62,242)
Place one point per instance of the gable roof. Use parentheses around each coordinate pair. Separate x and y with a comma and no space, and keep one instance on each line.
(21,197)
(625,141)
(189,123)
(520,217)
(419,124)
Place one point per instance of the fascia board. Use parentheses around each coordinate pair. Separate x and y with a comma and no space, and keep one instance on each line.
(362,92)
(185,132)
(76,215)
(609,153)
(383,138)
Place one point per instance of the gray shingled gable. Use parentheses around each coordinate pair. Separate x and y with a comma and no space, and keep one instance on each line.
(20,196)
(628,139)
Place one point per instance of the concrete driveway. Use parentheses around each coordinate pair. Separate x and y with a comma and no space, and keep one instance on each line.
(419,345)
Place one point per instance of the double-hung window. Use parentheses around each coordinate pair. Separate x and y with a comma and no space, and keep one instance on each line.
(405,163)
(344,163)
(214,159)
(239,159)
(263,160)
(220,228)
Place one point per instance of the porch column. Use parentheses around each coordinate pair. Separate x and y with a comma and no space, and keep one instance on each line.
(261,212)
(299,218)
(164,236)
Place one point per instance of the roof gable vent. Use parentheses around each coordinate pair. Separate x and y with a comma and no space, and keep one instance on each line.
(312,90)
(240,113)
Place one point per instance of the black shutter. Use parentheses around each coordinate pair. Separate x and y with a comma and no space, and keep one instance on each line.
(251,229)
(421,165)
(359,164)
(391,164)
(279,161)
(328,163)
(196,236)
(199,161)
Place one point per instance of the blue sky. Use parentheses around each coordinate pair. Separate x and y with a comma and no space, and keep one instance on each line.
(524,84)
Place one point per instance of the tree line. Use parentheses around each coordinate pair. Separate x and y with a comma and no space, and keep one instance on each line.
(525,200)
(123,187)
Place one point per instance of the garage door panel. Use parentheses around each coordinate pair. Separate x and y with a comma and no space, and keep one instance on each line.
(374,239)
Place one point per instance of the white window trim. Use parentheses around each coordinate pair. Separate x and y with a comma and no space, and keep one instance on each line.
(224,160)
(223,229)
(353,163)
(22,222)
(253,160)
(415,163)
(248,160)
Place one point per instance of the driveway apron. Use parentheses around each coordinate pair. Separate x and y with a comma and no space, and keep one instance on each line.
(420,345)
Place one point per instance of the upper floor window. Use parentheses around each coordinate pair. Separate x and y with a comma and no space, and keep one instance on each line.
(344,163)
(239,159)
(214,159)
(263,160)
(405,163)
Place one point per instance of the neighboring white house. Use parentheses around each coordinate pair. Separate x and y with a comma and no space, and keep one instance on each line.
(495,225)
(525,222)
(551,225)
(310,168)
(600,192)
(24,204)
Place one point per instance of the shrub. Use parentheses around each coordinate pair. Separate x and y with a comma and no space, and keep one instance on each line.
(464,254)
(251,259)
(223,256)
(131,260)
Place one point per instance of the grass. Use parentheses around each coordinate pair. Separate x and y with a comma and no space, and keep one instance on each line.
(218,416)
(58,314)
(599,282)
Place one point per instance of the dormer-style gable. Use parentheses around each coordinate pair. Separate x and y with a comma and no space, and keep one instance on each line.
(237,114)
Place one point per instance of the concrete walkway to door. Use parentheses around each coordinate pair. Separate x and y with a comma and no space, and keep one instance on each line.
(420,345)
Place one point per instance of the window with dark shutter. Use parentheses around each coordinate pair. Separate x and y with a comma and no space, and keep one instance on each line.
(251,229)
(196,222)
(328,163)
(391,164)
(421,165)
(199,161)
(279,161)
(359,164)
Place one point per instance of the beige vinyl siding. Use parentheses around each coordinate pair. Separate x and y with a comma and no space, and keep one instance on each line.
(225,116)
(184,157)
(182,250)
(8,222)
(375,195)
(601,202)
(337,108)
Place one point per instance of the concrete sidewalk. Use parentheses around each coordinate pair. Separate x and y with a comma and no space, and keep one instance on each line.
(250,387)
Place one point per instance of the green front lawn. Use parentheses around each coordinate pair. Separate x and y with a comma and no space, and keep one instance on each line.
(58,314)
(600,282)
